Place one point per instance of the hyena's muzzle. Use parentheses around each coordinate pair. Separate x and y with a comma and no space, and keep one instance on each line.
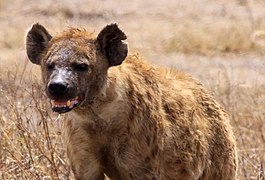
(62,90)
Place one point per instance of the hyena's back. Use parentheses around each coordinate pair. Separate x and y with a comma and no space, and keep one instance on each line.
(196,137)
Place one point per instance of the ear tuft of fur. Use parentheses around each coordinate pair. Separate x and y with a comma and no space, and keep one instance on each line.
(36,42)
(110,40)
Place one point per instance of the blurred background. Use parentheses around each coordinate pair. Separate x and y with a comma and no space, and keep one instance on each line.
(221,43)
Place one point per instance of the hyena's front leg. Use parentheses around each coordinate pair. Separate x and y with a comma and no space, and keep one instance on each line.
(86,169)
(84,163)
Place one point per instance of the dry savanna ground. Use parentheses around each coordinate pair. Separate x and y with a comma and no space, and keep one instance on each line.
(212,40)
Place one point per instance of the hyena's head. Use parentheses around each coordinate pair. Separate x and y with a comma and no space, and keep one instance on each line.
(74,64)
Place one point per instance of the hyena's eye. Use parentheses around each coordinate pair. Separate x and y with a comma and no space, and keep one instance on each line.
(50,66)
(80,67)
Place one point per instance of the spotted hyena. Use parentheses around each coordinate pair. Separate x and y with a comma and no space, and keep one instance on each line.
(128,119)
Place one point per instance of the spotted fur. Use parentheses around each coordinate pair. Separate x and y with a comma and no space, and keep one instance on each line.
(137,121)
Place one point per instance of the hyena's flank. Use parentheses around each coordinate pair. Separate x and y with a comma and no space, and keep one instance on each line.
(127,119)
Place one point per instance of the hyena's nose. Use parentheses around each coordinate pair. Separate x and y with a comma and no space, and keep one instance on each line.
(57,88)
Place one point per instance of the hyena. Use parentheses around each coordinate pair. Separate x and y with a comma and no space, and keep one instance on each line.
(128,119)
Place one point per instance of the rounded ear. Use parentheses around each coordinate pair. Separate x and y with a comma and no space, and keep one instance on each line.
(111,45)
(36,42)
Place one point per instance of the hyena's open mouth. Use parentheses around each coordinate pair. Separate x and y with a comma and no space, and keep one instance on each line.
(63,106)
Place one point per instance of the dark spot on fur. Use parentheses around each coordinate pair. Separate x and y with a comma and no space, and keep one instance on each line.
(148,81)
(183,171)
(132,114)
(131,176)
(128,129)
(148,140)
(149,97)
(121,150)
(104,151)
(147,159)
(154,151)
(178,161)
(154,178)
(147,168)
(131,89)
(166,108)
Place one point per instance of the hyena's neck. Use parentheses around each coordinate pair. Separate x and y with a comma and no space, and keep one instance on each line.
(108,93)
(109,104)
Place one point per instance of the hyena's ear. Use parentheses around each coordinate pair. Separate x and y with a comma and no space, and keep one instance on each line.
(110,41)
(36,42)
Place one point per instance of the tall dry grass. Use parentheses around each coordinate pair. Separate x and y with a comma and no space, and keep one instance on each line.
(245,105)
(221,35)
(31,146)
(212,39)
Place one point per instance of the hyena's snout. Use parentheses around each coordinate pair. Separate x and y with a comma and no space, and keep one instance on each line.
(57,88)
(63,93)
(60,86)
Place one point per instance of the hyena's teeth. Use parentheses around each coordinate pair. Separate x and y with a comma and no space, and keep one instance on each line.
(53,102)
(68,103)
(76,98)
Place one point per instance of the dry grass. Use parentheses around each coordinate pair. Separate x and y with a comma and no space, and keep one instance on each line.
(31,144)
(202,39)
(213,39)
(246,107)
